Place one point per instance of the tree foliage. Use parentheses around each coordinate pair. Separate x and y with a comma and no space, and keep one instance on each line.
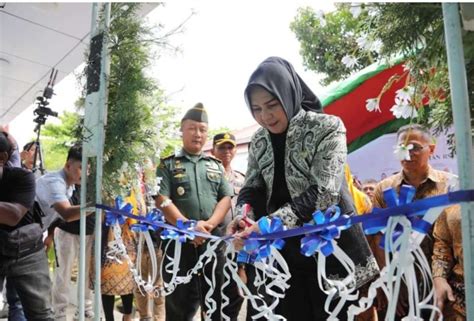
(57,139)
(325,41)
(140,125)
(414,31)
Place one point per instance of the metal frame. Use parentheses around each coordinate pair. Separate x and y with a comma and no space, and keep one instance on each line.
(96,104)
(464,147)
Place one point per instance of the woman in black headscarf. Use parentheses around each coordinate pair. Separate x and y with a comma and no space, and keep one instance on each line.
(296,166)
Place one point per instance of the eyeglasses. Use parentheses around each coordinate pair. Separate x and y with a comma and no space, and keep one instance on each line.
(417,148)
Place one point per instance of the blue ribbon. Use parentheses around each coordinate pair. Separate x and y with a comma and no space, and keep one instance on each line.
(183,231)
(150,223)
(262,248)
(322,240)
(112,217)
(157,223)
(372,222)
(406,196)
(244,257)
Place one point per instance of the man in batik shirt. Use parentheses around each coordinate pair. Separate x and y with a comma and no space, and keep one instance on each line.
(448,265)
(417,172)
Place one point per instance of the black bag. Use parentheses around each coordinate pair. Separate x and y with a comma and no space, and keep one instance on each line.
(21,241)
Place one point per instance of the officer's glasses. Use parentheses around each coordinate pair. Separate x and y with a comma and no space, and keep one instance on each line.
(417,148)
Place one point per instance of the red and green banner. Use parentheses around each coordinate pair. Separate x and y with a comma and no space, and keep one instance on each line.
(348,100)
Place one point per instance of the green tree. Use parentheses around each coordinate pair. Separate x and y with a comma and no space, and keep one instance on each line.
(56,139)
(382,32)
(326,40)
(140,124)
(214,131)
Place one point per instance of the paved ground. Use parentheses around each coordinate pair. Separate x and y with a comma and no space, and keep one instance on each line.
(118,315)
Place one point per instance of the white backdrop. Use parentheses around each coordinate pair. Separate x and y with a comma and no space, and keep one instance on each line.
(377,159)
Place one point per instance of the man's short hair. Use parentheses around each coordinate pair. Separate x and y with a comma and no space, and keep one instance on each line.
(28,146)
(75,153)
(416,127)
(5,144)
(370,181)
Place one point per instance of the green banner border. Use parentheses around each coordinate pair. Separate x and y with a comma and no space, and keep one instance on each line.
(387,128)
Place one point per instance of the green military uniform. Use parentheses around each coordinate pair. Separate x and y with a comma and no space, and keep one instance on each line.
(195,183)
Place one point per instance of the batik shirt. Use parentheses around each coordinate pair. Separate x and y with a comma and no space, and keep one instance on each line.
(448,260)
(436,183)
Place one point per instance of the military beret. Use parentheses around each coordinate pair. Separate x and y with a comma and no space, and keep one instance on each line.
(197,113)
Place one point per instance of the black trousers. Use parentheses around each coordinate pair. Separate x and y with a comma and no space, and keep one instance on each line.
(250,271)
(183,303)
(108,302)
(304,300)
(235,301)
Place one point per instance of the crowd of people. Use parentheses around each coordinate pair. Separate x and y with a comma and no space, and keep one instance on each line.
(296,165)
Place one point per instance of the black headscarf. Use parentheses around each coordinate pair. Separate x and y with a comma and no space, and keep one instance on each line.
(277,76)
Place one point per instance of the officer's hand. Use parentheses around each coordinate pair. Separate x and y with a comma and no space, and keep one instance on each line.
(203,227)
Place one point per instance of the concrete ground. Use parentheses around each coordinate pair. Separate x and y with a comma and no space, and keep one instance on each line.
(118,315)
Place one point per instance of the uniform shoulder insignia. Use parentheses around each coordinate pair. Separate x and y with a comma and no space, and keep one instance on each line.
(164,160)
(168,157)
(215,159)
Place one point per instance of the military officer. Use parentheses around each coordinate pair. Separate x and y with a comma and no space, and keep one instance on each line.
(224,148)
(193,186)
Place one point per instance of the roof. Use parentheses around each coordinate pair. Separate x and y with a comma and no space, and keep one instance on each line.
(35,37)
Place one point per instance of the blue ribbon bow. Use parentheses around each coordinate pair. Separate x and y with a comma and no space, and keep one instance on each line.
(262,248)
(274,232)
(183,231)
(406,196)
(151,221)
(113,217)
(322,240)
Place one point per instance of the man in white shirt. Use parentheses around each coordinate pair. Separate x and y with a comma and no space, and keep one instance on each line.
(53,193)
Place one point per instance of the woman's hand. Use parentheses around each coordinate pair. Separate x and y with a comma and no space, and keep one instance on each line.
(235,226)
(241,236)
(240,221)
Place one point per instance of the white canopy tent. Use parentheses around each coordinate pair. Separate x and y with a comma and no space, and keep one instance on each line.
(34,38)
